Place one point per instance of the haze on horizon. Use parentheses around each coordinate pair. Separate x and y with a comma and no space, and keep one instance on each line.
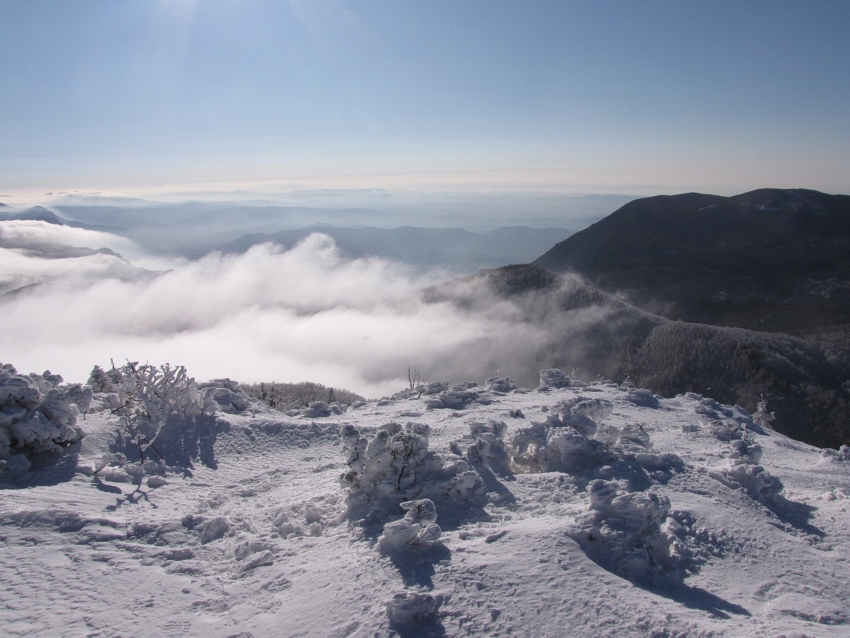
(148,98)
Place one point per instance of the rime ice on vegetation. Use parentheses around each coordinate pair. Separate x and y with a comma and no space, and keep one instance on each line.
(38,413)
(395,465)
(418,528)
(412,609)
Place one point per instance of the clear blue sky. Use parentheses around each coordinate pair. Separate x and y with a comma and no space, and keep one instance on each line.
(596,96)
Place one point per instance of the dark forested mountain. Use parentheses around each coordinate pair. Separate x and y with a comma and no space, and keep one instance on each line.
(776,260)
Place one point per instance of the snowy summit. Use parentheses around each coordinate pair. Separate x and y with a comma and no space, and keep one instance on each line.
(571,509)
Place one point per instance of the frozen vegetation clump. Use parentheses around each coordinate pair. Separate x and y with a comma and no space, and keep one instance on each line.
(227,394)
(554,378)
(840,455)
(642,397)
(456,397)
(564,442)
(319,409)
(500,384)
(395,465)
(629,533)
(418,528)
(575,440)
(741,469)
(485,447)
(413,609)
(724,423)
(162,403)
(421,389)
(37,414)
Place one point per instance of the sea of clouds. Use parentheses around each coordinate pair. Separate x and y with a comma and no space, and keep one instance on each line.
(267,315)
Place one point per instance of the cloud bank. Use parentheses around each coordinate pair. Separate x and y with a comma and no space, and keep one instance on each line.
(266,315)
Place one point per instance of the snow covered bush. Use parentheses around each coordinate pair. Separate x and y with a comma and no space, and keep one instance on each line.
(564,442)
(642,397)
(319,409)
(554,447)
(37,414)
(226,393)
(395,465)
(417,528)
(743,471)
(486,447)
(500,384)
(456,397)
(411,609)
(839,455)
(627,533)
(574,440)
(150,398)
(554,378)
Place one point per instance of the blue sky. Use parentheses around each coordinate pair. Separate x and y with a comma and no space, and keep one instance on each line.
(650,97)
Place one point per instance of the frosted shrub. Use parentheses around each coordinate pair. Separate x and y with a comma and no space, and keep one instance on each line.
(319,409)
(149,397)
(488,446)
(410,609)
(418,528)
(575,440)
(455,398)
(626,532)
(564,442)
(500,384)
(643,398)
(37,414)
(554,447)
(841,454)
(554,378)
(742,471)
(226,393)
(395,465)
(763,417)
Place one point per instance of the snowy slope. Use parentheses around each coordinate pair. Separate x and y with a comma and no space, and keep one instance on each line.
(653,517)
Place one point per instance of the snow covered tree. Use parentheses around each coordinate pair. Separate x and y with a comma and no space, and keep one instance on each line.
(762,416)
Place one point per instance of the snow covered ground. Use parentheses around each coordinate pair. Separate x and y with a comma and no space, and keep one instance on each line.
(587,510)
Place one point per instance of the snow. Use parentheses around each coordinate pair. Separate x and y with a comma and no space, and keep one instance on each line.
(447,510)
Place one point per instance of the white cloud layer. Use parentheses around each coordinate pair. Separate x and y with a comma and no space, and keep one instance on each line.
(266,315)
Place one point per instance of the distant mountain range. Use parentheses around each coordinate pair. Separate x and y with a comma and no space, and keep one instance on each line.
(427,247)
(41,214)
